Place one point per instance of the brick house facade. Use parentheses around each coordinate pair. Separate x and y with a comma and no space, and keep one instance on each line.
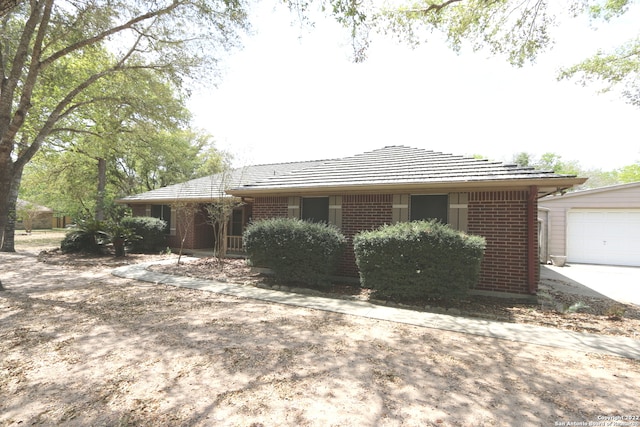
(491,199)
(499,216)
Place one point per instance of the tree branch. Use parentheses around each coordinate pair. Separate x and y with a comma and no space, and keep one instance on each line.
(97,38)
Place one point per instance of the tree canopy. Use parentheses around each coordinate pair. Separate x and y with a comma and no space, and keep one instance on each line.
(597,177)
(62,61)
(517,30)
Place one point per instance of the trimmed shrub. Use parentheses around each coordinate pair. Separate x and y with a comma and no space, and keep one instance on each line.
(418,259)
(150,234)
(297,251)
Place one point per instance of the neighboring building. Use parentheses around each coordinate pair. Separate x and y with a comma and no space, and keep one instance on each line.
(596,226)
(30,216)
(491,199)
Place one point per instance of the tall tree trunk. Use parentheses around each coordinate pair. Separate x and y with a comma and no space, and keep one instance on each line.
(102,183)
(5,188)
(8,241)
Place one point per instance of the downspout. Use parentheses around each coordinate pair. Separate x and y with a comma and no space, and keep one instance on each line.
(532,240)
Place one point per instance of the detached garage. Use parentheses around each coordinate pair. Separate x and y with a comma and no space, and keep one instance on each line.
(598,226)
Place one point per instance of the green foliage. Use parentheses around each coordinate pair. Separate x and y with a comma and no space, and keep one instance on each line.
(576,307)
(615,312)
(619,68)
(630,173)
(548,162)
(418,259)
(597,177)
(609,9)
(150,234)
(89,76)
(517,30)
(143,140)
(297,251)
(89,236)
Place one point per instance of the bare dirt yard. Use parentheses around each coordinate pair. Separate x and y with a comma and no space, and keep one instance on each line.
(80,347)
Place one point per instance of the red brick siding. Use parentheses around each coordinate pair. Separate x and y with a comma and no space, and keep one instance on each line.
(362,212)
(359,212)
(198,233)
(501,218)
(184,227)
(138,210)
(202,230)
(270,207)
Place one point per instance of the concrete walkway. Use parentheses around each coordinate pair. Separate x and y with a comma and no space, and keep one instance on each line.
(620,284)
(583,342)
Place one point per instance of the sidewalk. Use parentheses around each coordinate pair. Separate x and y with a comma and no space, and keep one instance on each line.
(583,342)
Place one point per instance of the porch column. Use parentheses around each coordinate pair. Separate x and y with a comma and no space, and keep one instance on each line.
(532,240)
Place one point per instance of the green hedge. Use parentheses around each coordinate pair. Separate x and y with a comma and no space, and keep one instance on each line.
(297,251)
(150,234)
(417,260)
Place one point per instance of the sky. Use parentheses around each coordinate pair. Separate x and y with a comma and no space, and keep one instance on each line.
(295,94)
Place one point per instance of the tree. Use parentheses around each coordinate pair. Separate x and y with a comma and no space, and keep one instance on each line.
(28,212)
(630,173)
(141,143)
(185,213)
(517,30)
(597,177)
(7,5)
(619,68)
(220,209)
(547,161)
(174,39)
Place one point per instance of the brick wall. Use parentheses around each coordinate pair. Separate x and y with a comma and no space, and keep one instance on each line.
(202,230)
(270,207)
(199,234)
(138,210)
(362,212)
(501,218)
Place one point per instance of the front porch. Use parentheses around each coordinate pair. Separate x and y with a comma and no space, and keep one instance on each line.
(234,249)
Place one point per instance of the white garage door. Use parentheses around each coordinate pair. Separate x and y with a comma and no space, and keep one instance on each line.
(604,237)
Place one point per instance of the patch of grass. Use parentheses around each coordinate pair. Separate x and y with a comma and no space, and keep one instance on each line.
(37,238)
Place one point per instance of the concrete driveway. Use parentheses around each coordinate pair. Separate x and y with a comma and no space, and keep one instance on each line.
(621,284)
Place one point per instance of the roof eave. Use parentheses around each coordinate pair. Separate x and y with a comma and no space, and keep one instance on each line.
(172,200)
(545,186)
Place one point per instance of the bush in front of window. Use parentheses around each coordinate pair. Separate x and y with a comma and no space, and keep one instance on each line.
(420,259)
(150,234)
(296,251)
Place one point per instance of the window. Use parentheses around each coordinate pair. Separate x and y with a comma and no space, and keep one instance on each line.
(430,207)
(315,209)
(162,212)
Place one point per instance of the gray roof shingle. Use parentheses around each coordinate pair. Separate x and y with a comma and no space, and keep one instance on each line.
(389,166)
(214,186)
(396,165)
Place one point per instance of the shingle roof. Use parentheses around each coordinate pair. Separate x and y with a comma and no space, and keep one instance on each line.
(23,204)
(591,191)
(400,165)
(214,186)
(392,166)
